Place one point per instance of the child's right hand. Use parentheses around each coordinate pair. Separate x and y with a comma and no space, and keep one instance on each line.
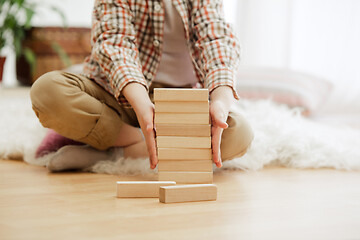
(138,97)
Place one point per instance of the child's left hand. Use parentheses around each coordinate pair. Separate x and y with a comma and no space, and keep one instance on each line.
(221,100)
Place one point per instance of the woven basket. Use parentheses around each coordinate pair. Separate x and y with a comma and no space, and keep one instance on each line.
(75,42)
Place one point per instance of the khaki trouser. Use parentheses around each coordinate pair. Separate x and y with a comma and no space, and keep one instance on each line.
(78,108)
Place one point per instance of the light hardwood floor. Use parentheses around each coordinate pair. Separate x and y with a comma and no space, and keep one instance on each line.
(274,203)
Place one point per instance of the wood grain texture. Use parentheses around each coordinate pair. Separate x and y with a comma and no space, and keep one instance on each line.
(188,193)
(186,177)
(285,203)
(181,94)
(182,118)
(184,154)
(189,130)
(139,189)
(183,142)
(185,165)
(182,107)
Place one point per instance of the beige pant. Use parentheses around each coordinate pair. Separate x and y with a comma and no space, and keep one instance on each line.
(78,108)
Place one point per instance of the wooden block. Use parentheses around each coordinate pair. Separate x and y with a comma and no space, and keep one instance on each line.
(188,193)
(188,130)
(183,142)
(186,177)
(182,107)
(182,118)
(181,94)
(184,153)
(185,165)
(138,189)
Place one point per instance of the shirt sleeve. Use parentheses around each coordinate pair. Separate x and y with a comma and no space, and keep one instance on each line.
(114,44)
(216,45)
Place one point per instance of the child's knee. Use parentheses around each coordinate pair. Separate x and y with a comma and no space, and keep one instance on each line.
(47,96)
(237,138)
(44,91)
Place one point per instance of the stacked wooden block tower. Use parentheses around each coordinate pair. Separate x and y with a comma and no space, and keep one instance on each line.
(183,135)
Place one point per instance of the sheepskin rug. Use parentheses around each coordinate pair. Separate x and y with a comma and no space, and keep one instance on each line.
(283,137)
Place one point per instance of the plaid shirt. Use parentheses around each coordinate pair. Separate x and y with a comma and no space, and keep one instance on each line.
(127,38)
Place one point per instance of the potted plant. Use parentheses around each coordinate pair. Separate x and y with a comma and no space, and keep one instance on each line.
(15,21)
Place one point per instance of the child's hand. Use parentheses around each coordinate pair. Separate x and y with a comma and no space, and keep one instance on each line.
(221,101)
(137,96)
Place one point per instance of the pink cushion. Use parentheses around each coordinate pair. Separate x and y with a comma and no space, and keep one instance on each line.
(52,142)
(283,86)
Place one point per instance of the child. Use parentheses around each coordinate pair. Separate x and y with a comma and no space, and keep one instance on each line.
(137,46)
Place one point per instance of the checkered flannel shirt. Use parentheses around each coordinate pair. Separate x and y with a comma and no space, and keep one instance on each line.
(127,38)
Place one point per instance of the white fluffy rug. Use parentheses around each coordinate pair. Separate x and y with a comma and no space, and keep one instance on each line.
(282,137)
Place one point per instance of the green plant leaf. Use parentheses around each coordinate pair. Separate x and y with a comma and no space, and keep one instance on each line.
(17,46)
(62,54)
(20,2)
(18,36)
(29,15)
(2,42)
(11,2)
(61,14)
(9,22)
(30,58)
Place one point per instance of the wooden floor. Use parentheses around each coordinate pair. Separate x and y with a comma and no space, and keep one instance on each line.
(269,204)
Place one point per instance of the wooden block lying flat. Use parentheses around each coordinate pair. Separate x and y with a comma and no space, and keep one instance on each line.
(180,94)
(186,165)
(188,193)
(182,118)
(186,177)
(139,189)
(189,130)
(184,153)
(183,142)
(182,107)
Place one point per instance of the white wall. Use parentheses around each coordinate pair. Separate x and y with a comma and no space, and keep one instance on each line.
(262,27)
(320,37)
(77,12)
(326,41)
(230,14)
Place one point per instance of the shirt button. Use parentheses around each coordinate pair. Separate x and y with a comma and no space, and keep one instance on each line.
(156,43)
(106,18)
(157,7)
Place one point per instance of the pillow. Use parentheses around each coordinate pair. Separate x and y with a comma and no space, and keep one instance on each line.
(288,87)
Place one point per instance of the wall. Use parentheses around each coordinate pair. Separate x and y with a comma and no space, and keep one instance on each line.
(77,12)
(263,29)
(320,37)
(325,41)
